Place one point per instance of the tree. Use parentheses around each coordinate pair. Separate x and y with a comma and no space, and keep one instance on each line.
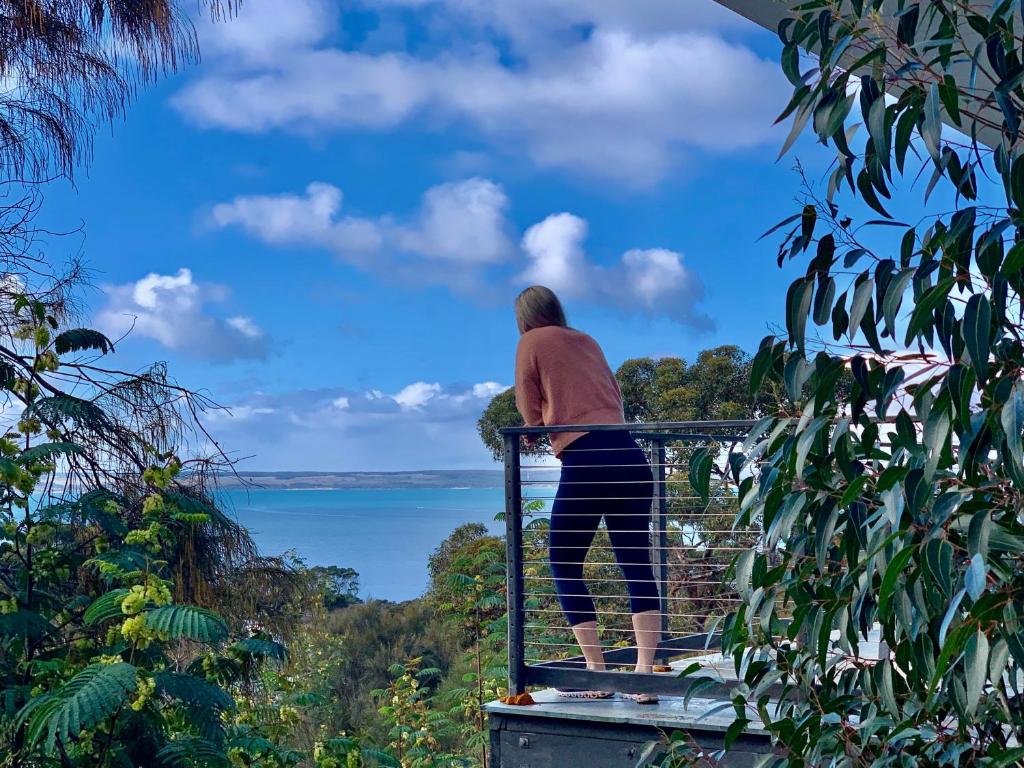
(338,585)
(75,63)
(894,506)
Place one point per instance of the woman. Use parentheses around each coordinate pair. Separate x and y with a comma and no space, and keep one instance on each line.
(562,378)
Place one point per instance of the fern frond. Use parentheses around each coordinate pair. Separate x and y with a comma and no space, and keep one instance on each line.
(253,746)
(125,559)
(45,451)
(189,622)
(193,753)
(80,339)
(193,691)
(262,648)
(105,607)
(64,408)
(92,508)
(89,698)
(383,758)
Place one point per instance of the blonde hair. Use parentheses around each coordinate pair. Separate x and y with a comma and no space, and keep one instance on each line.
(537,307)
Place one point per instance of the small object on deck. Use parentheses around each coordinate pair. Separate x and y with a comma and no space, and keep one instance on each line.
(519,700)
(577,693)
(642,698)
(663,668)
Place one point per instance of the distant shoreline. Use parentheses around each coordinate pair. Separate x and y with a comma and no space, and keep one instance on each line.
(340,481)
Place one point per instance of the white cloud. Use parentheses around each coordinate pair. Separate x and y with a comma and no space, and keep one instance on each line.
(654,274)
(417,394)
(530,23)
(487,389)
(264,30)
(463,226)
(246,327)
(461,223)
(653,282)
(310,430)
(554,248)
(174,310)
(624,101)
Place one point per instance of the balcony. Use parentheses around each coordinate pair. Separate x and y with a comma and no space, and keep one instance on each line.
(691,544)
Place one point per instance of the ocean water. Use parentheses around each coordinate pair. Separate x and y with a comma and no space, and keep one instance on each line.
(386,535)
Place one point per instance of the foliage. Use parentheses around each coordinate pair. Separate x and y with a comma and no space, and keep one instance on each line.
(89,631)
(338,586)
(75,63)
(472,595)
(500,413)
(895,507)
(415,730)
(373,635)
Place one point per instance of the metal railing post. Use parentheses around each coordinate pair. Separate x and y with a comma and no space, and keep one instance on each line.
(514,566)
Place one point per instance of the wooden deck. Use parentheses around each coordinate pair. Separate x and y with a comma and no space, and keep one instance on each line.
(611,733)
(556,732)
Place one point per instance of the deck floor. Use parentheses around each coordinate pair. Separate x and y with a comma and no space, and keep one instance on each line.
(668,713)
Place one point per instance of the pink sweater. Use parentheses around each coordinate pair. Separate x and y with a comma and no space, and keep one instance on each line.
(563,378)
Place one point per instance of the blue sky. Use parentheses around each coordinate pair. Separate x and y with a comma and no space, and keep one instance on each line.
(324,223)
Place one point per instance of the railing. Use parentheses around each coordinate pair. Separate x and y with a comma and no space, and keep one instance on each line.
(692,543)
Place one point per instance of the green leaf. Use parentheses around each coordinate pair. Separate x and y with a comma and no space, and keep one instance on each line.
(798,307)
(188,621)
(974,579)
(1014,261)
(734,731)
(976,331)
(978,533)
(80,339)
(861,297)
(925,307)
(867,192)
(87,700)
(806,440)
(798,127)
(1010,757)
(823,300)
(193,691)
(931,123)
(894,297)
(892,575)
(105,607)
(698,684)
(1011,417)
(947,619)
(700,473)
(58,409)
(262,648)
(47,451)
(193,752)
(976,668)
(744,567)
(807,221)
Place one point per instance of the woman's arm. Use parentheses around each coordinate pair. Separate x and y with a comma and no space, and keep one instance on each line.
(528,391)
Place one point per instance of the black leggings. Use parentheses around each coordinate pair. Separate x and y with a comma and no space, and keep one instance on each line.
(604,474)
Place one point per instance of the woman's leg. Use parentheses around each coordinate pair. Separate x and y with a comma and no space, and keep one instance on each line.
(628,528)
(573,525)
(647,628)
